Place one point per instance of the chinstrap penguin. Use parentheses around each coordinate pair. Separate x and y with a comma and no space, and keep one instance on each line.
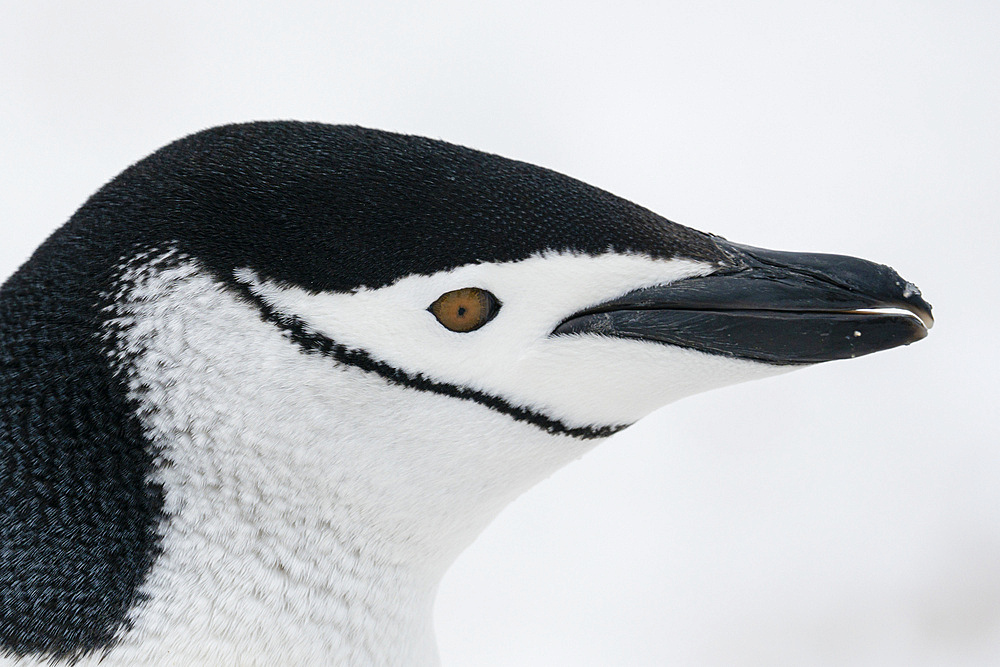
(265,385)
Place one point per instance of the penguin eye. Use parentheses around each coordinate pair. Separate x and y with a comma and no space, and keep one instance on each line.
(465,309)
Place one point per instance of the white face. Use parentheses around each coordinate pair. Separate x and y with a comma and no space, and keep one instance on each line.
(580,380)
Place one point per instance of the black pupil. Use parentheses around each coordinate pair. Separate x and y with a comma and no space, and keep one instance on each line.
(461,311)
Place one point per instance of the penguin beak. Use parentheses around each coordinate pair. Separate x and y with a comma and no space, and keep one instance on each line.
(776,307)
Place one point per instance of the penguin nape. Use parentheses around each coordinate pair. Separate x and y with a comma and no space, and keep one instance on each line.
(265,385)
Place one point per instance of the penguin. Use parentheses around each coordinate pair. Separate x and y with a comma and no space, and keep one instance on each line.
(265,385)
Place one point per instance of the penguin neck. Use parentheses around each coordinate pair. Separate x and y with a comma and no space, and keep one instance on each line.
(311,507)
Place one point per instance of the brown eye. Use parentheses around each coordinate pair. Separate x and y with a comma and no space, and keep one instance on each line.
(465,309)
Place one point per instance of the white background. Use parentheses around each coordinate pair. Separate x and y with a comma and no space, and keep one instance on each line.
(847,514)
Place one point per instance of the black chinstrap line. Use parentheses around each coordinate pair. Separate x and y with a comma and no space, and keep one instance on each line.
(316,343)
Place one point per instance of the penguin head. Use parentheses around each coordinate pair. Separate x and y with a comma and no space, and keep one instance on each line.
(382,338)
(502,315)
(364,242)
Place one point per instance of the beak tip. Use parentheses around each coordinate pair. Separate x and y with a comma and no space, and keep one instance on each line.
(916,304)
(926,317)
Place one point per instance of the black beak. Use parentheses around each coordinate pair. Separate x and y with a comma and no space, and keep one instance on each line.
(775,307)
